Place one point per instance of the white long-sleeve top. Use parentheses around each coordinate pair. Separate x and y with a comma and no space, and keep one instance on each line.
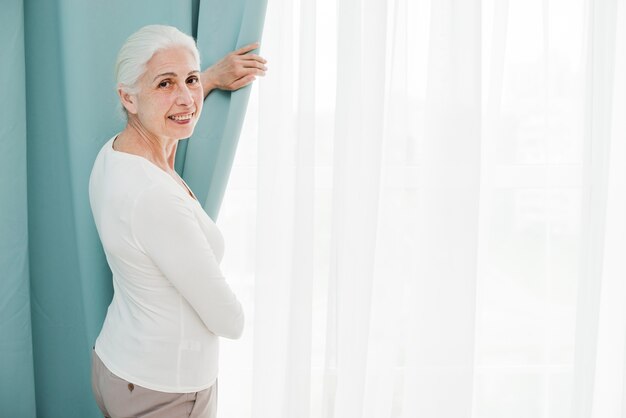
(170,300)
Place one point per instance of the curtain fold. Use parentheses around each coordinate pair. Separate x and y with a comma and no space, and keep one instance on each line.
(601,26)
(440,356)
(17,386)
(357,146)
(608,396)
(222,27)
(53,125)
(274,280)
(60,346)
(298,379)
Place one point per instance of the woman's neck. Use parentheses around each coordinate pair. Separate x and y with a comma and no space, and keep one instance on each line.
(135,139)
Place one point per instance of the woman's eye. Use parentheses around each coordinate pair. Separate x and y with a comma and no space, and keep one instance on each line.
(164,84)
(192,80)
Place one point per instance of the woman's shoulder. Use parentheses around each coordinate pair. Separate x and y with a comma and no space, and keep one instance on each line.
(111,164)
(117,174)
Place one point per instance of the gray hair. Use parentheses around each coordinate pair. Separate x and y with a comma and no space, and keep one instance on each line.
(141,46)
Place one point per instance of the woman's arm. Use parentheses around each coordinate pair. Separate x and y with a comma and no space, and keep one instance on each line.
(167,230)
(235,70)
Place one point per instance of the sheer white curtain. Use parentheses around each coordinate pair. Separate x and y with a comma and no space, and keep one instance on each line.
(427,212)
(600,388)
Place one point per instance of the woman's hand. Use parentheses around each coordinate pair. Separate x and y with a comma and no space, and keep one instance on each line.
(235,70)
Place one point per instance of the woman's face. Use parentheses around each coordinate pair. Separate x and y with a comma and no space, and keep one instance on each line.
(170,96)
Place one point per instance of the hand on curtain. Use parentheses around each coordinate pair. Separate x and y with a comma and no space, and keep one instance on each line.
(234,71)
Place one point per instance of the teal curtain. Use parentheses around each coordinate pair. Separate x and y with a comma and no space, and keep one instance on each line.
(58,109)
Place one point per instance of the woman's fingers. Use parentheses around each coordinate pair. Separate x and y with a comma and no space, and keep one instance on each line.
(248,76)
(253,57)
(242,82)
(254,70)
(253,64)
(246,48)
(243,55)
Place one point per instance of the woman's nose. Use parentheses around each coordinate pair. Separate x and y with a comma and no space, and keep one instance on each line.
(184,96)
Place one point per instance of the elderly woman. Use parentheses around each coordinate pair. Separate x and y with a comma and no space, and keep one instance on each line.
(157,352)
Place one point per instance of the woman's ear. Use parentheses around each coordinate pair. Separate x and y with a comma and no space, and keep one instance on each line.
(129,101)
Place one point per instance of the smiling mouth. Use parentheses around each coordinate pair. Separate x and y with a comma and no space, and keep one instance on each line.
(182,117)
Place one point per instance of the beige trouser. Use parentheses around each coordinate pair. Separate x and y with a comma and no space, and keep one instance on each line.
(118,398)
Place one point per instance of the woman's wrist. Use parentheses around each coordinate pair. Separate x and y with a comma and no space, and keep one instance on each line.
(207,81)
